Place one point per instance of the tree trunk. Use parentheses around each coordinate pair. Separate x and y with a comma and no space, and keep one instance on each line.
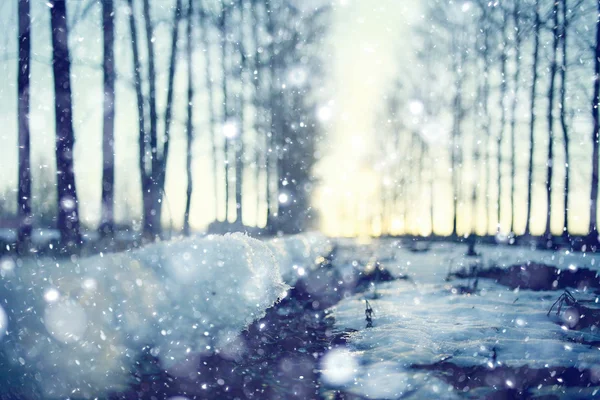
(550,116)
(143,138)
(272,116)
(190,120)
(536,50)
(458,114)
(108,137)
(24,195)
(596,117)
(239,140)
(68,207)
(258,151)
(160,172)
(486,120)
(502,100)
(225,117)
(513,113)
(563,117)
(151,218)
(205,31)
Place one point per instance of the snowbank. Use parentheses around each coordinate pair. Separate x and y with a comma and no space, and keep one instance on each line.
(77,327)
(297,255)
(422,322)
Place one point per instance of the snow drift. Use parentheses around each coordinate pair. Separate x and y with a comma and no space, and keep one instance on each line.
(79,327)
(298,254)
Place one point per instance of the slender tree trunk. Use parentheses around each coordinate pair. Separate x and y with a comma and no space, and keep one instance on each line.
(272,115)
(161,172)
(550,116)
(502,100)
(225,72)
(24,195)
(108,138)
(190,119)
(421,180)
(563,117)
(151,217)
(596,117)
(486,122)
(476,171)
(68,206)
(432,191)
(258,151)
(513,113)
(536,50)
(458,114)
(239,142)
(205,32)
(143,138)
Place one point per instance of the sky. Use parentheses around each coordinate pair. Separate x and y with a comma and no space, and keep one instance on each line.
(368,41)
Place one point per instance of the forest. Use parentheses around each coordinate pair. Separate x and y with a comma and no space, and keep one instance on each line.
(239,67)
(511,90)
(299,199)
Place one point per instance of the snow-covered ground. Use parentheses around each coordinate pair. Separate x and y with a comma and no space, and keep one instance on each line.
(77,327)
(421,321)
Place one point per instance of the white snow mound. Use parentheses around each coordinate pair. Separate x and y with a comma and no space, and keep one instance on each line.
(76,328)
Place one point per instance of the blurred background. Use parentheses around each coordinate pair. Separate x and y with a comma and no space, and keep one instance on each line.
(146,118)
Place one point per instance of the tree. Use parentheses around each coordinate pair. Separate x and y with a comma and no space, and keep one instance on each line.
(458,115)
(225,115)
(533,97)
(205,33)
(593,229)
(143,137)
(563,116)
(501,104)
(518,37)
(258,104)
(108,137)
(550,118)
(153,161)
(68,207)
(239,139)
(189,127)
(24,192)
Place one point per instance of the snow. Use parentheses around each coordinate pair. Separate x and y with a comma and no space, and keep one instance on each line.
(298,254)
(339,367)
(77,326)
(421,321)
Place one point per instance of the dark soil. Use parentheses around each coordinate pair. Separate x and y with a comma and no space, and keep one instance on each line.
(522,379)
(534,277)
(282,358)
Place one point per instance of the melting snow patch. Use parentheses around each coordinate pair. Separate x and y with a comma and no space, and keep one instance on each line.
(83,325)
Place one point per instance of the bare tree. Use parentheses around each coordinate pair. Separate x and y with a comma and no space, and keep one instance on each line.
(593,229)
(536,51)
(189,127)
(143,137)
(502,105)
(550,118)
(258,105)
(518,37)
(151,218)
(458,115)
(205,33)
(68,207)
(563,116)
(225,117)
(108,137)
(241,103)
(24,192)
